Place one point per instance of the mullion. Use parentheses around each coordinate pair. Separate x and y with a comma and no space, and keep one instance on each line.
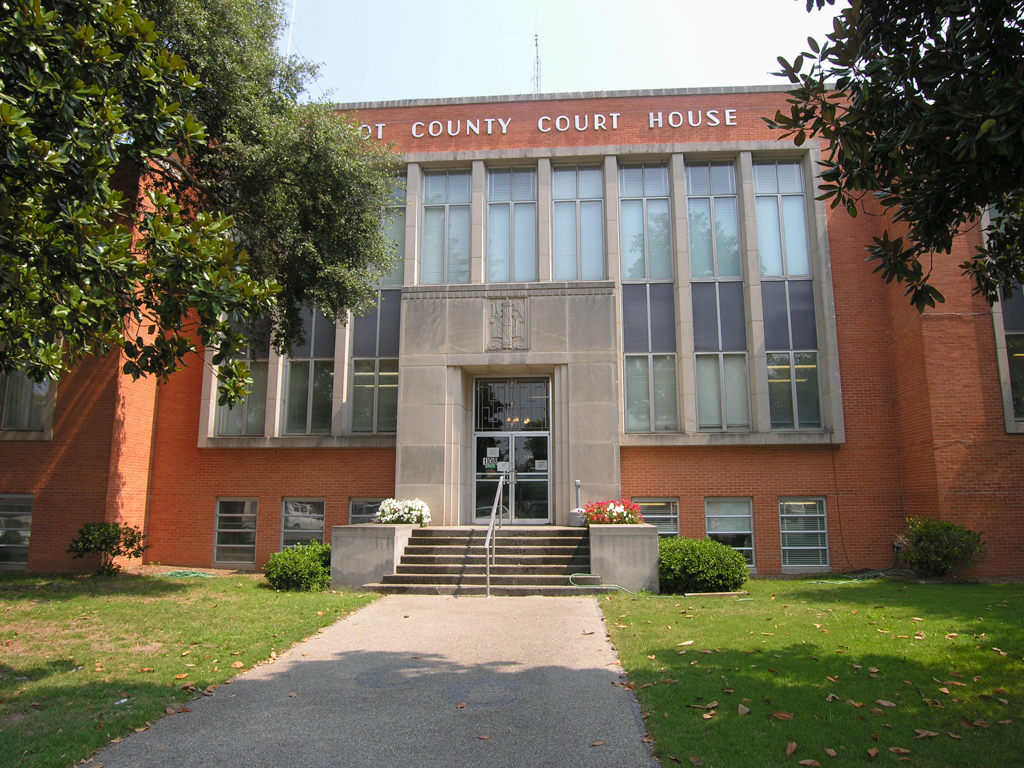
(579,230)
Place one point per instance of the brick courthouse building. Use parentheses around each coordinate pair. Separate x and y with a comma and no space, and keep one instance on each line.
(633,290)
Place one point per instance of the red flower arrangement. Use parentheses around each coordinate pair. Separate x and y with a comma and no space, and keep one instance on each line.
(612,512)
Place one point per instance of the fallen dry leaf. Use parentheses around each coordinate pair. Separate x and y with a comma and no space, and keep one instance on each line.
(237,665)
(675,760)
(186,653)
(884,703)
(951,635)
(169,710)
(488,736)
(712,705)
(1005,722)
(873,751)
(595,744)
(292,695)
(923,734)
(831,697)
(743,710)
(899,751)
(952,736)
(875,711)
(648,739)
(145,669)
(782,716)
(709,715)
(981,723)
(873,669)
(790,748)
(812,762)
(830,752)
(696,761)
(182,676)
(688,642)
(966,723)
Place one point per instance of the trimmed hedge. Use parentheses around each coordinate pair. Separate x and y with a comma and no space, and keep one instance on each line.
(936,547)
(305,568)
(699,565)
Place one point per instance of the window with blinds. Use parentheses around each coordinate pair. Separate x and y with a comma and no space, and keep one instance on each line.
(511,225)
(446,227)
(578,222)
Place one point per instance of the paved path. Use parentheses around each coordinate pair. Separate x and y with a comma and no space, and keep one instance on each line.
(381,688)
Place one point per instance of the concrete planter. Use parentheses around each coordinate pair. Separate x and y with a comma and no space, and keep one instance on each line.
(626,555)
(364,554)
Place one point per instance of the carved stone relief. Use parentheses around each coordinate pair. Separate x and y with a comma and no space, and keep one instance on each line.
(508,327)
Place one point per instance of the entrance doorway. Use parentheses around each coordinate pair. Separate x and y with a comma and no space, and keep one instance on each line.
(512,434)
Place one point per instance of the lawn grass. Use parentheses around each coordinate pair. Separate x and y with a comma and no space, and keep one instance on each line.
(84,660)
(928,649)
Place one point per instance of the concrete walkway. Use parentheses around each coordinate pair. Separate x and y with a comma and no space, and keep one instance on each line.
(385,687)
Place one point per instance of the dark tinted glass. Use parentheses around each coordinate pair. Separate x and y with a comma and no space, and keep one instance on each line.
(302,350)
(801,310)
(323,336)
(776,321)
(634,318)
(364,342)
(705,317)
(663,317)
(734,327)
(1013,311)
(390,322)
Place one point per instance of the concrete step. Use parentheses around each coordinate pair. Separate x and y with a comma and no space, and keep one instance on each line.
(567,561)
(500,549)
(503,569)
(526,532)
(505,580)
(475,590)
(507,541)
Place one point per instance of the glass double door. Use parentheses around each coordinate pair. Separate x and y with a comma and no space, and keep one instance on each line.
(512,437)
(523,459)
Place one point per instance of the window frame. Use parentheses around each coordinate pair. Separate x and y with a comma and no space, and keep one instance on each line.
(375,430)
(752,565)
(217,530)
(250,359)
(446,206)
(652,413)
(577,201)
(512,203)
(18,497)
(646,222)
(352,502)
(673,513)
(778,195)
(302,500)
(783,549)
(46,410)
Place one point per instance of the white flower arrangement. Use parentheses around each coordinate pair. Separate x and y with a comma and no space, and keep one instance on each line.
(405,511)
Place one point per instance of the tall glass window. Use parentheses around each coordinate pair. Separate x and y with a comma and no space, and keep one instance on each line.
(578,245)
(1013,326)
(719,324)
(446,227)
(649,343)
(512,225)
(236,531)
(375,340)
(394,230)
(249,416)
(23,402)
(791,342)
(310,378)
(644,223)
(781,218)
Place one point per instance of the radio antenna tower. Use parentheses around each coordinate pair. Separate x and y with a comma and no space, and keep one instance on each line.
(536,64)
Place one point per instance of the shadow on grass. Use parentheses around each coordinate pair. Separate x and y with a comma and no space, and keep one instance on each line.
(17,586)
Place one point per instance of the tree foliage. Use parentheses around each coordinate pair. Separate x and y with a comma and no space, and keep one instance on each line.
(922,105)
(163,184)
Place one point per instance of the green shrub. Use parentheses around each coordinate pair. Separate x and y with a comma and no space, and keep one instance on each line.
(108,540)
(699,565)
(936,547)
(305,568)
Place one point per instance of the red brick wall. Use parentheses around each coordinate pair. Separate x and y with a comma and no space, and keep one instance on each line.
(187,480)
(67,476)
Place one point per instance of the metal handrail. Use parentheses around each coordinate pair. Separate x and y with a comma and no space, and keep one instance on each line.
(490,542)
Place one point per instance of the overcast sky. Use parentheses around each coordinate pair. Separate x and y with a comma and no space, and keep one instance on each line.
(378,50)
